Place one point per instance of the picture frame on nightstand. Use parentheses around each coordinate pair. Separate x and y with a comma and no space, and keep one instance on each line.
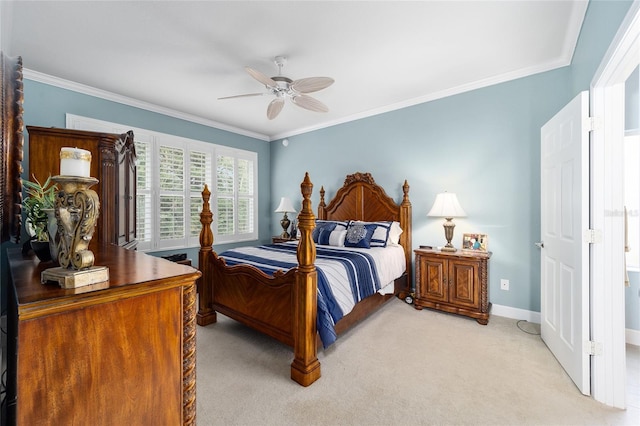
(475,242)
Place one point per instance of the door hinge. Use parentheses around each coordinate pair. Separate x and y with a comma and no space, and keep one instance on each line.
(592,236)
(593,123)
(593,348)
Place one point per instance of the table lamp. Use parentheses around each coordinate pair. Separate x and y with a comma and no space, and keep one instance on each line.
(285,207)
(447,206)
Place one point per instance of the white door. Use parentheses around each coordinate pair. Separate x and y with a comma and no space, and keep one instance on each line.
(565,256)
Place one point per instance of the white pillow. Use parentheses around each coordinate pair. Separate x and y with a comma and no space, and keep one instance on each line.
(337,238)
(332,238)
(394,234)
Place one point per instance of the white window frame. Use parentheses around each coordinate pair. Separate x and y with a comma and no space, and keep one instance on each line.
(157,139)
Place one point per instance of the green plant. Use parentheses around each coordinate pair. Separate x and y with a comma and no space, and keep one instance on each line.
(40,198)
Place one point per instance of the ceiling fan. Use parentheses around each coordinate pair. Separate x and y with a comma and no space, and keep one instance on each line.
(284,87)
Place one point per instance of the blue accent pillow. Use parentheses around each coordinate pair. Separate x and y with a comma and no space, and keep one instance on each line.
(329,225)
(359,235)
(320,227)
(331,238)
(380,232)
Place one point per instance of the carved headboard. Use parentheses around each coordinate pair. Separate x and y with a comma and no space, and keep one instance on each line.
(11,144)
(360,198)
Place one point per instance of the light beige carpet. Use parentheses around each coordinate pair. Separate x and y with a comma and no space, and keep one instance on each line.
(400,366)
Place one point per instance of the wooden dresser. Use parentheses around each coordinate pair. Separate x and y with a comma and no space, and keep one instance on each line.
(116,353)
(453,282)
(113,163)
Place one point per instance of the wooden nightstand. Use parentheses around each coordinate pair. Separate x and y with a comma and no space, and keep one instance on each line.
(453,282)
(279,239)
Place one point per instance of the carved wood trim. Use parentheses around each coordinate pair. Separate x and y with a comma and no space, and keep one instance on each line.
(189,355)
(359,177)
(11,146)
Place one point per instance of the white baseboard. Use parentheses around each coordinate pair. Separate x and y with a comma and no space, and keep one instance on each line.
(515,313)
(631,336)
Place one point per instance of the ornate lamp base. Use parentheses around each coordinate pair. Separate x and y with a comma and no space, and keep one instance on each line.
(448,234)
(285,222)
(71,278)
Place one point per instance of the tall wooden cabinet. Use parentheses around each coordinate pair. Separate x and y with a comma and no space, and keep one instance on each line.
(122,352)
(113,163)
(453,282)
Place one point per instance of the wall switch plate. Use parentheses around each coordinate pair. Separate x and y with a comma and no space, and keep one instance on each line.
(504,284)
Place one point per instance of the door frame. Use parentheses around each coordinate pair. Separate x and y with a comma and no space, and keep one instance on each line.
(608,370)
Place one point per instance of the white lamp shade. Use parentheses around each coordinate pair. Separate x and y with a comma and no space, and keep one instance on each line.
(285,206)
(446,205)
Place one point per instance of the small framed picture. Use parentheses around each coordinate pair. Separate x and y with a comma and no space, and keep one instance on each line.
(475,242)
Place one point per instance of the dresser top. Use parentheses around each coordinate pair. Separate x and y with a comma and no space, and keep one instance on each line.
(130,273)
(458,253)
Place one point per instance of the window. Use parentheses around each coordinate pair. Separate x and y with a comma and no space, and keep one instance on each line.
(171,174)
(235,195)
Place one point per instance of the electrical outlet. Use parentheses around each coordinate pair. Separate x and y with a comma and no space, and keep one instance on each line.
(504,284)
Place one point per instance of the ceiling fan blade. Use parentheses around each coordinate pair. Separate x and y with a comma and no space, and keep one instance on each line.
(274,108)
(307,102)
(311,84)
(260,77)
(242,96)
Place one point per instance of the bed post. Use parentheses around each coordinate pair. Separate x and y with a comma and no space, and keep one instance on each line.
(206,315)
(322,212)
(405,237)
(305,368)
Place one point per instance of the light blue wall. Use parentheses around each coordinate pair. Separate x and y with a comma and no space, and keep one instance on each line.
(632,102)
(600,25)
(484,145)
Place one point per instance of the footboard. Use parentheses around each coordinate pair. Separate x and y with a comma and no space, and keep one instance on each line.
(283,306)
(253,298)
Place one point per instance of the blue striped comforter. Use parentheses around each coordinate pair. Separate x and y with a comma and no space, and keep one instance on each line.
(344,277)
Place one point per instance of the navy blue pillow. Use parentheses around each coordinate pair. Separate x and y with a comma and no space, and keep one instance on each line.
(321,226)
(323,238)
(330,225)
(359,235)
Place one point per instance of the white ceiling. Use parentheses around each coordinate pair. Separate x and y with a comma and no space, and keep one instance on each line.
(178,57)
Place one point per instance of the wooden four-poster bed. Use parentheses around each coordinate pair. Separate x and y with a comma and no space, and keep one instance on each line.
(284,305)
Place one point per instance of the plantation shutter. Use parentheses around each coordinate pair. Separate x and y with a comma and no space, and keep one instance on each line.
(171,200)
(245,196)
(144,172)
(225,178)
(200,169)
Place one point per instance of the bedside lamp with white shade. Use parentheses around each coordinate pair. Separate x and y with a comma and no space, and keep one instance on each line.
(285,207)
(447,206)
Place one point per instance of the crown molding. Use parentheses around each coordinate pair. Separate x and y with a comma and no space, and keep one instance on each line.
(478,84)
(147,106)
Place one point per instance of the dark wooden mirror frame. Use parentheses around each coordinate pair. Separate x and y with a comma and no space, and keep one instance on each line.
(11,144)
